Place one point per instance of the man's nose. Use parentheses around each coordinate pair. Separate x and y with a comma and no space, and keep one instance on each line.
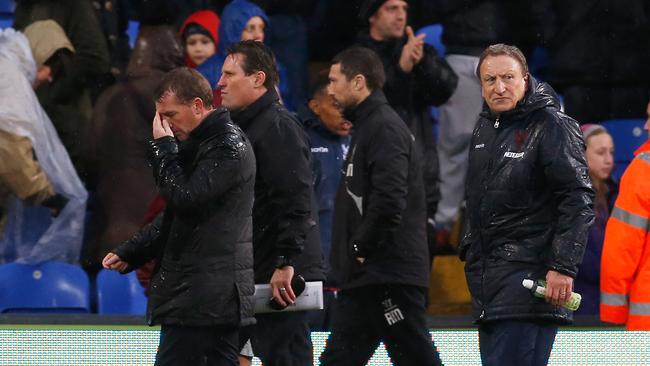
(499,86)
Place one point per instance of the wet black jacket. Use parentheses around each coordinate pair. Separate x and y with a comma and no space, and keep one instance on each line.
(431,82)
(529,206)
(203,240)
(285,214)
(380,203)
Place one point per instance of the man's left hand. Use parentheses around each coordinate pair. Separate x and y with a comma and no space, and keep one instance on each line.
(558,288)
(281,286)
(161,127)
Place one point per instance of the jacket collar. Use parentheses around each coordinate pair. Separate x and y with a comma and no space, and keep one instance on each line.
(361,111)
(643,148)
(246,117)
(214,124)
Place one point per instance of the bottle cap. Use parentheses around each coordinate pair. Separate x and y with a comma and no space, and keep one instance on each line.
(527,283)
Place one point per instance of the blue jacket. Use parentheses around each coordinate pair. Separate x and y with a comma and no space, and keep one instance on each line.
(328,151)
(233,21)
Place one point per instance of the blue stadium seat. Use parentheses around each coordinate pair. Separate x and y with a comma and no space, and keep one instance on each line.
(52,287)
(434,37)
(628,135)
(120,294)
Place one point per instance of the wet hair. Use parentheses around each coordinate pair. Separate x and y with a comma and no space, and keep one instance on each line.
(501,49)
(362,61)
(257,57)
(186,84)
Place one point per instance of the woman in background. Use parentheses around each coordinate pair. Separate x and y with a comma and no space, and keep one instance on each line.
(600,159)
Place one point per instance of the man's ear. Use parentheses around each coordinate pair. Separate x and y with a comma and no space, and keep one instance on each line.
(314,105)
(197,105)
(259,79)
(359,82)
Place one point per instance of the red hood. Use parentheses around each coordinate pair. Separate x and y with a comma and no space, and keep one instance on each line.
(206,19)
(643,148)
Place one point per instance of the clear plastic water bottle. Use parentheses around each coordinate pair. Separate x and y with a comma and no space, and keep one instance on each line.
(539,290)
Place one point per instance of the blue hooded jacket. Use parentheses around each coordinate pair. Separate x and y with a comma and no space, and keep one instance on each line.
(233,21)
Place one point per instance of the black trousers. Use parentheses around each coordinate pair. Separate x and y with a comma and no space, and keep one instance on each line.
(391,313)
(283,339)
(516,343)
(200,346)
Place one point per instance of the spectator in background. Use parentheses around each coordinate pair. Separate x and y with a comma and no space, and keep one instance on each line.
(329,140)
(241,20)
(285,233)
(66,99)
(529,208)
(379,249)
(35,168)
(600,159)
(625,275)
(468,28)
(416,77)
(120,129)
(200,37)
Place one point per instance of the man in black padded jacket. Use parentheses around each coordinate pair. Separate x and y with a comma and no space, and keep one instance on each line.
(202,289)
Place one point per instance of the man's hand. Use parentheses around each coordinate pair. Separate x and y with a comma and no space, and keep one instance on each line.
(281,286)
(558,288)
(114,262)
(161,127)
(412,52)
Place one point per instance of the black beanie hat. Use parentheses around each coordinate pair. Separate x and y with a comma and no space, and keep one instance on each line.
(368,8)
(194,28)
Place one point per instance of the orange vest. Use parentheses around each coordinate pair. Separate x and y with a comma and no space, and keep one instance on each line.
(625,263)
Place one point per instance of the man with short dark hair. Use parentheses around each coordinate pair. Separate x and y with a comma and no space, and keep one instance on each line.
(285,233)
(202,288)
(416,78)
(379,254)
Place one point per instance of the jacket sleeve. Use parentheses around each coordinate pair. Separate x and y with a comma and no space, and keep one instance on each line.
(435,81)
(562,156)
(20,172)
(285,166)
(143,246)
(625,241)
(216,171)
(388,164)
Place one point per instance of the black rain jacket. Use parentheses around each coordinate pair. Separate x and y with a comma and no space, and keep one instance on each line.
(203,239)
(529,206)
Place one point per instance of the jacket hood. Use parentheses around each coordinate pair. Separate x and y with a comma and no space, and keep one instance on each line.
(46,37)
(207,19)
(156,48)
(539,95)
(14,47)
(233,21)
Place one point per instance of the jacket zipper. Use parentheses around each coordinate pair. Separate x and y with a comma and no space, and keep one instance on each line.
(496,122)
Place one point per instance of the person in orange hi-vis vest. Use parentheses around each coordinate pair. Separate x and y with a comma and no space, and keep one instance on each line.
(625,264)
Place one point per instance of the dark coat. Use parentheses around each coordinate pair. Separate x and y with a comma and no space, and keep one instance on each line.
(431,82)
(380,203)
(529,206)
(284,216)
(587,283)
(203,239)
(328,151)
(118,139)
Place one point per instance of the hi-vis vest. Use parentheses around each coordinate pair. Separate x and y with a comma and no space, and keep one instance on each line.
(625,263)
